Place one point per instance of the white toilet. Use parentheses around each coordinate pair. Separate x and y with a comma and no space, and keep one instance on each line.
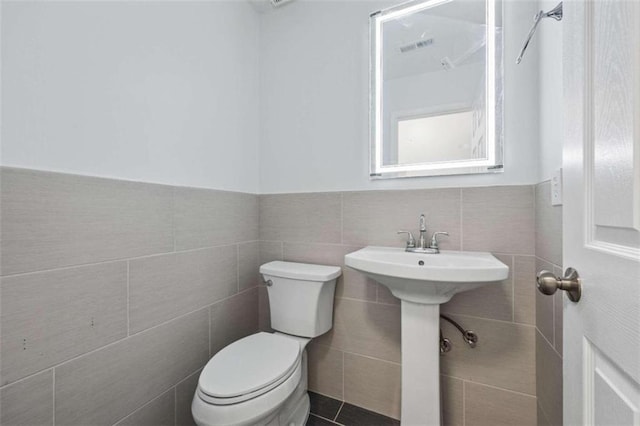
(262,379)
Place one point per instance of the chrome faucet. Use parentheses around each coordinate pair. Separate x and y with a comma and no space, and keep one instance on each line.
(421,247)
(423,232)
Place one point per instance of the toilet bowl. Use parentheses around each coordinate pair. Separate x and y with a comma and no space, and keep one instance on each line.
(261,379)
(249,382)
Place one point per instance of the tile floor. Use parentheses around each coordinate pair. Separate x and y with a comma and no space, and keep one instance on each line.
(327,411)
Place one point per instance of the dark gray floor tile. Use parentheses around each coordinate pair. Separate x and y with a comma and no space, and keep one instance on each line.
(324,406)
(318,421)
(350,415)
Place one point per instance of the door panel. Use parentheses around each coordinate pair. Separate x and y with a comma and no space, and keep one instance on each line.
(614,396)
(612,173)
(601,162)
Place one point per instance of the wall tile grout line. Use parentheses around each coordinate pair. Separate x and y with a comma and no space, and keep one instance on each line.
(550,262)
(53,395)
(27,377)
(539,406)
(554,319)
(175,405)
(361,356)
(238,268)
(315,243)
(513,289)
(118,341)
(549,343)
(464,398)
(193,311)
(532,326)
(372,302)
(399,363)
(122,259)
(145,404)
(128,301)
(65,268)
(513,254)
(189,375)
(209,332)
(369,301)
(497,388)
(267,241)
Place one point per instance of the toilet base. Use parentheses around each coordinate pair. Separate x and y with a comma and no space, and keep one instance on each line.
(293,417)
(294,411)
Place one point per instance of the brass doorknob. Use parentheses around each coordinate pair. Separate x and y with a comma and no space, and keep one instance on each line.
(548,283)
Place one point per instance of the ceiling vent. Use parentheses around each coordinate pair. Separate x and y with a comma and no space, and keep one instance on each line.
(413,46)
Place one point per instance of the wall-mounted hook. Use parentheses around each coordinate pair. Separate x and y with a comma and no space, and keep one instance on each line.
(555,13)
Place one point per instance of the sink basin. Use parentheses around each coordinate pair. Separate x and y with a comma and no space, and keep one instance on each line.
(427,278)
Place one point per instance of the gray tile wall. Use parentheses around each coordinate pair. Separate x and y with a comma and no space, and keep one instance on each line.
(359,359)
(115,294)
(548,310)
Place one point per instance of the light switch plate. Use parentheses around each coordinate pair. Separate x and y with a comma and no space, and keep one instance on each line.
(556,188)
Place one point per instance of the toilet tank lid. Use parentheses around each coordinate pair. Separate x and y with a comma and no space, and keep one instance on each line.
(300,271)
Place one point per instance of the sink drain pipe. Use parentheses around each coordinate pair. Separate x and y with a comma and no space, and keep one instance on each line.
(469,336)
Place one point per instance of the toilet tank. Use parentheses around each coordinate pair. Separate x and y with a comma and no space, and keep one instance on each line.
(300,297)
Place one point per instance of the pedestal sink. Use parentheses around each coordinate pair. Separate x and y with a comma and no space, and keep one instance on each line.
(422,282)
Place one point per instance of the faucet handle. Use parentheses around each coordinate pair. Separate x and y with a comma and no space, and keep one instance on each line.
(434,239)
(411,242)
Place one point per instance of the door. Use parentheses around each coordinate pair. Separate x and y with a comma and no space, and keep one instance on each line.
(601,162)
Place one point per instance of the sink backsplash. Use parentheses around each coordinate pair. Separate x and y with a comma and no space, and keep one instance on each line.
(359,360)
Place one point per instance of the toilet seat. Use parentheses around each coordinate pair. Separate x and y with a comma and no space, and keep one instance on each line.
(248,368)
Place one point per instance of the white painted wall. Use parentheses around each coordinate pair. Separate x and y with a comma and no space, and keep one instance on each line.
(551,105)
(152,91)
(314,101)
(168,92)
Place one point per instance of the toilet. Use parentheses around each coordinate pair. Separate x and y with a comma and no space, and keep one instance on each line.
(261,379)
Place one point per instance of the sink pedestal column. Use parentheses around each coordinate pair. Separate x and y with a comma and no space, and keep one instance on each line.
(420,364)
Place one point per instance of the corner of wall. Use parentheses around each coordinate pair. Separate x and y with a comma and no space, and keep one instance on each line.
(549,318)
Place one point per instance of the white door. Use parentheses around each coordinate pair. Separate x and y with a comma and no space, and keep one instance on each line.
(601,161)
